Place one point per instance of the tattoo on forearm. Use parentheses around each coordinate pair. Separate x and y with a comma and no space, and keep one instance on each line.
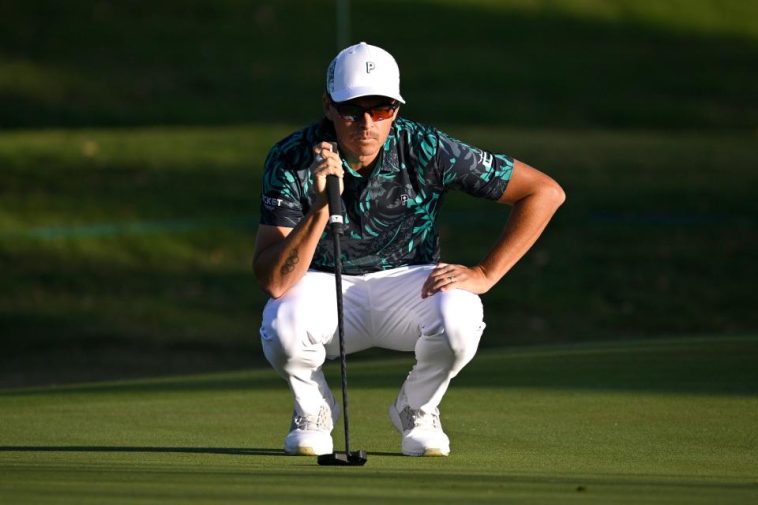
(289,264)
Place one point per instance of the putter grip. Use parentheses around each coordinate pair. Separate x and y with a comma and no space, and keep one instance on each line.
(335,203)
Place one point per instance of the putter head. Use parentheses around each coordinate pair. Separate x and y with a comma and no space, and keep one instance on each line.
(353,458)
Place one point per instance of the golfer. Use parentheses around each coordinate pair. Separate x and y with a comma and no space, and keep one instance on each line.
(398,294)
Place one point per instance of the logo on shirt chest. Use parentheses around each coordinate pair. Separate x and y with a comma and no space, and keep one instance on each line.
(486,159)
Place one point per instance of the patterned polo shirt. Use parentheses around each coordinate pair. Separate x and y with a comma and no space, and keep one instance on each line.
(391,215)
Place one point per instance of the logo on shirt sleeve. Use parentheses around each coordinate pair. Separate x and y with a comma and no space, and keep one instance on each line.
(271,203)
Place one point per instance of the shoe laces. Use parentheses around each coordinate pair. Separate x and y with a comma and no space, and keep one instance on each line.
(418,419)
(319,422)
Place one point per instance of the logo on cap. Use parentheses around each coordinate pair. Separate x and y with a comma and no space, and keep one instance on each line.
(363,70)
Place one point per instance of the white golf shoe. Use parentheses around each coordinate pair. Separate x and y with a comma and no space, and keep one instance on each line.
(311,435)
(422,433)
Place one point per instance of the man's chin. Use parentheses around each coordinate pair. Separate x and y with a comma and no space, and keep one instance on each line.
(366,147)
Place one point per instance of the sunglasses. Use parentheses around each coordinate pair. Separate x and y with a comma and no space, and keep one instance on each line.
(352,112)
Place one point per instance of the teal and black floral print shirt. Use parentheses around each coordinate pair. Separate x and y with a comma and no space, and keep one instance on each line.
(390,216)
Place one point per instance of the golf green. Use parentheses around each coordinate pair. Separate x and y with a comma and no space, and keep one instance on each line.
(669,421)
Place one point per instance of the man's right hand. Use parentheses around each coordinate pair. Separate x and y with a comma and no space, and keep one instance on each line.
(282,255)
(326,162)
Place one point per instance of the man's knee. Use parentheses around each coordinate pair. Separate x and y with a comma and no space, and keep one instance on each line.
(293,334)
(462,317)
(457,329)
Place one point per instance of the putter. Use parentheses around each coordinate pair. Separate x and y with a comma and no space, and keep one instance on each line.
(348,458)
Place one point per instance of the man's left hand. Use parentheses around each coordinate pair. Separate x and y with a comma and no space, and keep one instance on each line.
(445,277)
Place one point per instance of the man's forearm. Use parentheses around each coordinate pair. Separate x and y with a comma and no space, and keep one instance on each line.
(281,265)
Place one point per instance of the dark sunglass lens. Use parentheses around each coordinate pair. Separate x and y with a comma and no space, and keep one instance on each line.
(350,112)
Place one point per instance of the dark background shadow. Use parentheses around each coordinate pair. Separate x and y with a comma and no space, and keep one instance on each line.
(104,63)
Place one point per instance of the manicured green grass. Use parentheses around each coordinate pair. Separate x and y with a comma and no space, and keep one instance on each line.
(665,422)
(125,252)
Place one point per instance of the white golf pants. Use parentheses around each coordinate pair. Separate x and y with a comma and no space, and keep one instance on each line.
(382,309)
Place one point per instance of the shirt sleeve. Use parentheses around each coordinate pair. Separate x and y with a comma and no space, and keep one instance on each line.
(475,171)
(280,195)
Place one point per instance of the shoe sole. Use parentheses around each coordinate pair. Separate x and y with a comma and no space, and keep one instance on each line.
(434,453)
(303,451)
(316,449)
(307,450)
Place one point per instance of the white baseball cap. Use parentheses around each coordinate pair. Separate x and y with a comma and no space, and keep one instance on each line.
(363,70)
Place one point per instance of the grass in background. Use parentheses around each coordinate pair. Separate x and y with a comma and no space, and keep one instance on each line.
(570,63)
(128,251)
(580,423)
(119,245)
(653,239)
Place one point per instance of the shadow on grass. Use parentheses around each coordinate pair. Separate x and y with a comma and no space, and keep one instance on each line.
(222,451)
(180,450)
(717,366)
